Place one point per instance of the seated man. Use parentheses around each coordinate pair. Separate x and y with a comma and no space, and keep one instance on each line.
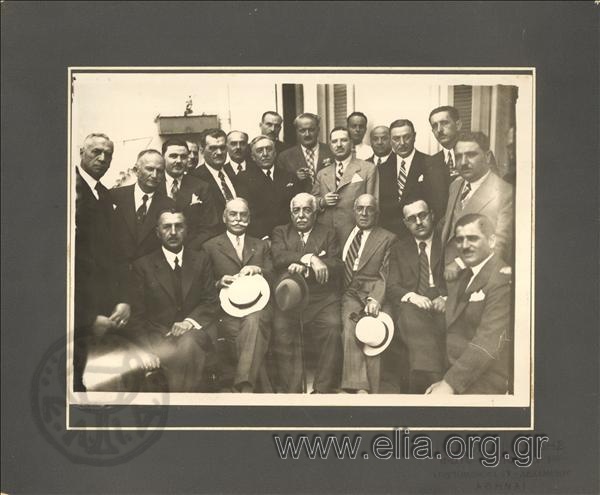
(416,290)
(311,250)
(173,302)
(477,315)
(366,264)
(235,254)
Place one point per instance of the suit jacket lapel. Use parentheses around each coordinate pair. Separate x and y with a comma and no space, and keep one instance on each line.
(248,251)
(227,248)
(129,214)
(164,274)
(150,218)
(188,271)
(371,246)
(352,168)
(484,194)
(459,304)
(436,253)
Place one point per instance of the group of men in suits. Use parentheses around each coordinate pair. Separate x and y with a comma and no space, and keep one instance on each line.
(368,228)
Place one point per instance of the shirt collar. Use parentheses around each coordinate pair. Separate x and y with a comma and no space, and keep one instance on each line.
(344,162)
(171,256)
(408,160)
(304,235)
(138,194)
(234,165)
(477,268)
(383,158)
(315,148)
(426,241)
(233,238)
(271,168)
(89,180)
(475,184)
(448,152)
(169,181)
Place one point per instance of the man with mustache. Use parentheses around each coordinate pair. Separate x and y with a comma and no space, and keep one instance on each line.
(310,250)
(270,125)
(173,302)
(237,152)
(267,188)
(338,185)
(190,194)
(417,289)
(477,190)
(478,308)
(235,254)
(309,156)
(357,127)
(381,143)
(137,208)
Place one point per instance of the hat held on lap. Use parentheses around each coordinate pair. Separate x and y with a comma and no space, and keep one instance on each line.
(374,333)
(291,292)
(246,295)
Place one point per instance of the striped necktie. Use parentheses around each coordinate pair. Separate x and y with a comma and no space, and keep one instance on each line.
(339,173)
(401,181)
(423,269)
(174,188)
(142,210)
(310,161)
(224,187)
(351,256)
(466,191)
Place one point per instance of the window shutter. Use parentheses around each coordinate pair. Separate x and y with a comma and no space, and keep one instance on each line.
(340,104)
(463,102)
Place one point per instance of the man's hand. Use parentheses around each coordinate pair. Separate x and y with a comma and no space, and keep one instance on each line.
(302,173)
(320,269)
(226,280)
(452,271)
(421,302)
(121,314)
(297,268)
(179,328)
(441,387)
(331,199)
(250,270)
(439,304)
(101,325)
(146,360)
(372,308)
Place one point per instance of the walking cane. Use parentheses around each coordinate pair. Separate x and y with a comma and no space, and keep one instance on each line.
(302,354)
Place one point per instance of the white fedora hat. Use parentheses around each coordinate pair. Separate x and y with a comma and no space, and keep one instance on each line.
(375,334)
(245,295)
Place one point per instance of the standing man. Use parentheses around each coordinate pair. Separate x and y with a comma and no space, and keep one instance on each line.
(366,257)
(357,127)
(97,307)
(235,254)
(173,300)
(193,157)
(403,176)
(219,178)
(477,315)
(237,152)
(310,250)
(381,142)
(137,208)
(445,125)
(267,188)
(191,194)
(339,184)
(270,125)
(417,289)
(309,156)
(478,190)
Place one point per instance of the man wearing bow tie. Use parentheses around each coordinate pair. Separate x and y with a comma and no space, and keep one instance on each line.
(307,158)
(478,308)
(190,193)
(311,250)
(338,185)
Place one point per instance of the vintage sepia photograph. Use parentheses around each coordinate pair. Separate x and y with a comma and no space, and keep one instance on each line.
(301,236)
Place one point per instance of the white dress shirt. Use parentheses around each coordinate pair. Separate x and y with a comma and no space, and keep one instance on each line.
(169,184)
(363,241)
(235,165)
(363,151)
(90,181)
(447,153)
(237,242)
(383,158)
(215,174)
(271,169)
(407,162)
(138,197)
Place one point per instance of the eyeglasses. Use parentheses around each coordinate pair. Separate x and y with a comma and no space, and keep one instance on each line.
(420,216)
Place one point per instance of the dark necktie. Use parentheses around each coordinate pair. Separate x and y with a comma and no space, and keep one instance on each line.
(177,281)
(351,256)
(269,174)
(142,210)
(310,161)
(174,188)
(401,181)
(378,160)
(225,188)
(451,168)
(423,269)
(465,275)
(465,193)
(239,169)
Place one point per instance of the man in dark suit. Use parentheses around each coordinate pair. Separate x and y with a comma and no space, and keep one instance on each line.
(311,250)
(191,194)
(381,143)
(238,152)
(219,175)
(338,185)
(478,315)
(97,307)
(366,256)
(137,208)
(235,254)
(403,176)
(477,190)
(193,157)
(309,156)
(416,289)
(270,125)
(173,300)
(445,125)
(267,188)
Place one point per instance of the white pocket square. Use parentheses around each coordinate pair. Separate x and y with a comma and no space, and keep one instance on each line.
(477,296)
(322,253)
(195,200)
(114,207)
(356,178)
(420,179)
